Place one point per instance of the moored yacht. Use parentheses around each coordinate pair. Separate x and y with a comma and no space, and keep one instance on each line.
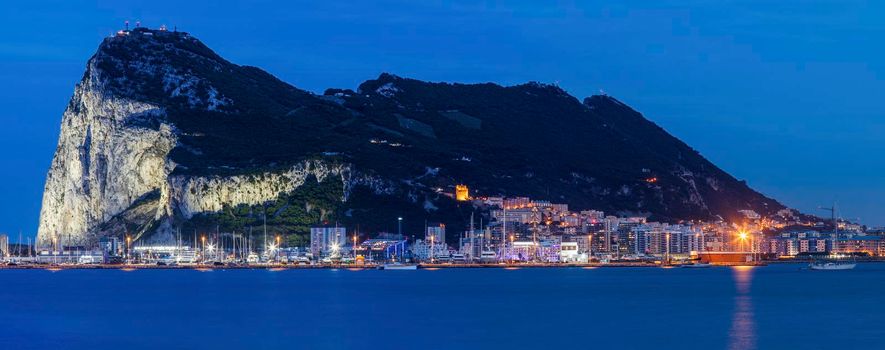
(832,265)
(697,265)
(488,256)
(398,266)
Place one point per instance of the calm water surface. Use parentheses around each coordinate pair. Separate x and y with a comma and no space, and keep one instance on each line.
(777,306)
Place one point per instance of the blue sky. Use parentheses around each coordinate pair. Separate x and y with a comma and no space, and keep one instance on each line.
(786,96)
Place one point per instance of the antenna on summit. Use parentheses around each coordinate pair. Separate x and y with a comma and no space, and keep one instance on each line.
(127,25)
(137,24)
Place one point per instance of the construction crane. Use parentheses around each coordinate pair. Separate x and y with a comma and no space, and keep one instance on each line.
(832,211)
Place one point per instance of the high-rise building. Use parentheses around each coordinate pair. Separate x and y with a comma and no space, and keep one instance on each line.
(326,239)
(437,231)
(4,245)
(110,245)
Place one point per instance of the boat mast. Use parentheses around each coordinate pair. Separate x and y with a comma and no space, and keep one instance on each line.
(265,230)
(470,238)
(504,234)
(481,239)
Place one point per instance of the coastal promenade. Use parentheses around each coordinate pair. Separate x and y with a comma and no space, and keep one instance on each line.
(204,267)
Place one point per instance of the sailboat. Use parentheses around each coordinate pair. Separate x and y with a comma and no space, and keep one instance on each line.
(832,263)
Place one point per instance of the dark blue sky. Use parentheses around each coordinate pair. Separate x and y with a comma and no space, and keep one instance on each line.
(786,96)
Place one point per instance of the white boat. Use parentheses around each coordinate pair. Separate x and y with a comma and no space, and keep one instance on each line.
(398,266)
(832,265)
(833,262)
(697,265)
(185,257)
(89,259)
(488,256)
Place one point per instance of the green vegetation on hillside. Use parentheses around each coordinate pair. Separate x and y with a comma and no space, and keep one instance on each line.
(290,215)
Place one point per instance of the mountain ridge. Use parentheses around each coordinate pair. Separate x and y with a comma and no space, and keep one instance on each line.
(159,112)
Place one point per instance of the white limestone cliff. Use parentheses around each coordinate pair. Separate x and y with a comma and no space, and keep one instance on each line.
(103,162)
(114,152)
(190,195)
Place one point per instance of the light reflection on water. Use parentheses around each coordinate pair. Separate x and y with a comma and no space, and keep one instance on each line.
(253,309)
(742,334)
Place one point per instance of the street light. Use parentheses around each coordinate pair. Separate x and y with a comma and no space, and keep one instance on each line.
(278,246)
(354,247)
(511,247)
(399,223)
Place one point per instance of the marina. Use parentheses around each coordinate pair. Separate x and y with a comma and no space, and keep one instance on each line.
(387,266)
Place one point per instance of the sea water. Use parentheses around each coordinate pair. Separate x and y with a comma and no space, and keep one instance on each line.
(778,306)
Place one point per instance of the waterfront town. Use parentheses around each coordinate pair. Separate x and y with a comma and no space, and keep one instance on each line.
(521,231)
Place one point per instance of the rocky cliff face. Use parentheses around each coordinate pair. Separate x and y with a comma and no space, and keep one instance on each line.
(162,134)
(104,161)
(112,172)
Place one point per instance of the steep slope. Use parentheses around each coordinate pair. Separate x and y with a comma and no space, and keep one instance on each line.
(152,135)
(162,135)
(537,140)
